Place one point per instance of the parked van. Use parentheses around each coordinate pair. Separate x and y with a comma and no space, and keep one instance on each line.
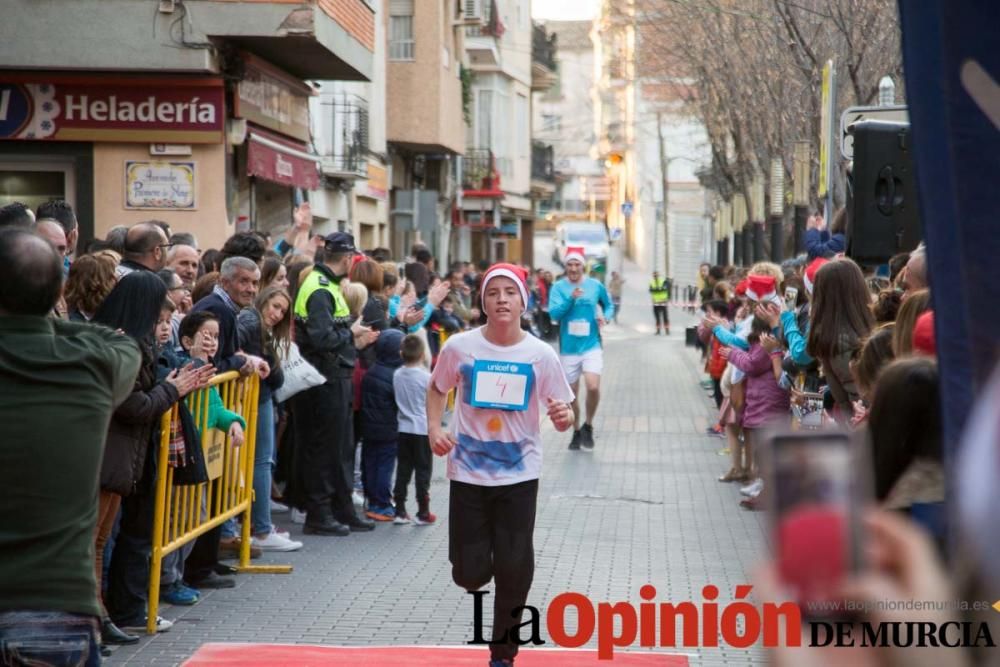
(591,236)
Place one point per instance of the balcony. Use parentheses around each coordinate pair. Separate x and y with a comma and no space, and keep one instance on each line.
(347,154)
(309,39)
(482,32)
(480,177)
(543,175)
(543,59)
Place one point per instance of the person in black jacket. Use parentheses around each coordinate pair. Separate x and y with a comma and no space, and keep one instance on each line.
(379,427)
(324,433)
(128,469)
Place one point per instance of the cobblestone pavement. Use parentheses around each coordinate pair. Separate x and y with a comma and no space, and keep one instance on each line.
(643,507)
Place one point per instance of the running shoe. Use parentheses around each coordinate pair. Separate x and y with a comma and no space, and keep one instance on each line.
(424,519)
(574,444)
(381,513)
(587,436)
(179,594)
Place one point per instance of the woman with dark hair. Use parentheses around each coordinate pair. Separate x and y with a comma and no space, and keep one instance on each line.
(273,272)
(204,286)
(127,471)
(265,331)
(840,318)
(90,281)
(211,261)
(905,427)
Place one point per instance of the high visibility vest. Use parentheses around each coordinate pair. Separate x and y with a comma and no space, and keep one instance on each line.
(660,290)
(316,280)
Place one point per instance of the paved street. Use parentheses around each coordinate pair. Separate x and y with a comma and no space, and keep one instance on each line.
(643,507)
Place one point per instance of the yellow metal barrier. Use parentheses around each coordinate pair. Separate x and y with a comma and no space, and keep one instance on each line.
(442,339)
(182,513)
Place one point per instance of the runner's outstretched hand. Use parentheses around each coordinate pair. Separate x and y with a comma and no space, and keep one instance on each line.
(561,414)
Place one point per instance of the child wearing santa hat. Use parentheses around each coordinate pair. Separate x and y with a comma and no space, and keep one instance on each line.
(505,378)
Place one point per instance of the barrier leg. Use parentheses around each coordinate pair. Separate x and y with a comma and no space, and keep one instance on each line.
(159,511)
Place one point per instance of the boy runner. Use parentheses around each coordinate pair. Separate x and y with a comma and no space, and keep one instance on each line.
(504,378)
(573,302)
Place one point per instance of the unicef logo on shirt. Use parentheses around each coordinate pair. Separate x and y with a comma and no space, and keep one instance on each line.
(16,109)
(513,368)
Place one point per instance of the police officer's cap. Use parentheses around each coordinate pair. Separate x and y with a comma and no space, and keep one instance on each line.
(340,242)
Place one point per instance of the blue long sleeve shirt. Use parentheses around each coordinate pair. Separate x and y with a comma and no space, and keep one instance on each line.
(428,311)
(795,339)
(578,330)
(824,244)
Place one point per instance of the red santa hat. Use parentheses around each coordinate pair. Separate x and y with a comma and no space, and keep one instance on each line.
(923,335)
(574,253)
(810,275)
(515,273)
(741,288)
(762,288)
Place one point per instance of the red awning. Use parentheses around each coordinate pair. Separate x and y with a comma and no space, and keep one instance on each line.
(282,160)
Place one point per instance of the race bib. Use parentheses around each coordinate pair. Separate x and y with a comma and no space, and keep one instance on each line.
(502,385)
(579,327)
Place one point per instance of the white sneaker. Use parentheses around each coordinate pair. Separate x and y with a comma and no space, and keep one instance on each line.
(753,489)
(401,519)
(162,625)
(275,542)
(278,508)
(298,517)
(358,498)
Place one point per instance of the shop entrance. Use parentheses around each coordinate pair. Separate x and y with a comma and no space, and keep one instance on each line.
(36,182)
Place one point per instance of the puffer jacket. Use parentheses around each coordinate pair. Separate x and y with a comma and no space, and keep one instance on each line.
(379,421)
(131,430)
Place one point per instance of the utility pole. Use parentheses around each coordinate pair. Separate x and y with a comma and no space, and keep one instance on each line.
(666,197)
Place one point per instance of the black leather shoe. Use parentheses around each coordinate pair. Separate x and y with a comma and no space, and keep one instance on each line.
(225,570)
(112,634)
(359,524)
(329,527)
(212,581)
(105,651)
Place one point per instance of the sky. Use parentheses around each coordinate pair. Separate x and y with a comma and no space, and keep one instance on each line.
(564,10)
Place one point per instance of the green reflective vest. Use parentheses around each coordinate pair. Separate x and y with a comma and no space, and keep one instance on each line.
(660,290)
(316,280)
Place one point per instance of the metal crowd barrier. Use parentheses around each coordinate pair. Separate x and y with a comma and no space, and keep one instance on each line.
(183,512)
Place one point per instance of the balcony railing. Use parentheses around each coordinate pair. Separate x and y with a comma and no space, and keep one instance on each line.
(487,11)
(543,47)
(349,135)
(542,167)
(479,173)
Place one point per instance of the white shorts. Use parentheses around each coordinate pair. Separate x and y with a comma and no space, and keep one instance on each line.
(591,361)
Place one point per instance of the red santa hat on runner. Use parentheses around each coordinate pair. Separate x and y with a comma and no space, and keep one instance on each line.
(515,273)
(811,270)
(761,287)
(574,253)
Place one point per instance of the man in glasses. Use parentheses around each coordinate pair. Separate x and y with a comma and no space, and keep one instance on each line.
(146,248)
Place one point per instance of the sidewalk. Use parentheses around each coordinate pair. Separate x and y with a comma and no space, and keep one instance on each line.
(643,508)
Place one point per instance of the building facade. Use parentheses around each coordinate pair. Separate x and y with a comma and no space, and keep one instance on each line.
(425,124)
(195,113)
(649,145)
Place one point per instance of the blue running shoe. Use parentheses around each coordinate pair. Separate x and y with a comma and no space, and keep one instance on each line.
(178,593)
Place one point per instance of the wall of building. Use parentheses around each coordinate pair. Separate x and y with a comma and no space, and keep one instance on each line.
(209,221)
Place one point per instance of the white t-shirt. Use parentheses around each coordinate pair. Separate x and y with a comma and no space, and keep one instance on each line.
(498,447)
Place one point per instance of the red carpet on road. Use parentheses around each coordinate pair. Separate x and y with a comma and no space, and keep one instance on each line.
(276,655)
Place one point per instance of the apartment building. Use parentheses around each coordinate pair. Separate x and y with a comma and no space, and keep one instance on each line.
(194,112)
(349,125)
(497,210)
(563,118)
(637,109)
(425,123)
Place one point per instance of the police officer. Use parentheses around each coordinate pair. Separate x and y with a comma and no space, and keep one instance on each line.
(659,289)
(323,425)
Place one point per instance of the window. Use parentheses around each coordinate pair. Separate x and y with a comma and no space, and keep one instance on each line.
(484,120)
(401,30)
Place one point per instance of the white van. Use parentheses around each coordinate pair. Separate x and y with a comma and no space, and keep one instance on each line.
(591,236)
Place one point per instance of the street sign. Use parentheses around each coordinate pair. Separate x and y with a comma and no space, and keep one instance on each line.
(627,209)
(615,234)
(852,115)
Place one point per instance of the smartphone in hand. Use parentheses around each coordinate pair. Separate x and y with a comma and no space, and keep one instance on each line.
(818,494)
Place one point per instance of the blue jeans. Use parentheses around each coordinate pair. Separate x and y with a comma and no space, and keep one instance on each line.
(379,461)
(263,468)
(48,638)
